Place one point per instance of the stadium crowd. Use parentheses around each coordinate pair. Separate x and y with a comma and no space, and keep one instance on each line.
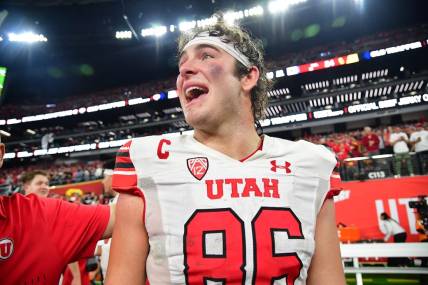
(364,142)
(57,173)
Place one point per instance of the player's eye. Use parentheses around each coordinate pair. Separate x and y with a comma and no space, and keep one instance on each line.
(206,55)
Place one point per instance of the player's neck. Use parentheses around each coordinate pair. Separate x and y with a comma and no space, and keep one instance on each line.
(236,143)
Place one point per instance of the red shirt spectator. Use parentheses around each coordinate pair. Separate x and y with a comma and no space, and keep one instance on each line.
(370,141)
(355,148)
(343,151)
(39,237)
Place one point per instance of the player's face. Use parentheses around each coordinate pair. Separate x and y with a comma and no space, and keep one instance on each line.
(39,186)
(207,86)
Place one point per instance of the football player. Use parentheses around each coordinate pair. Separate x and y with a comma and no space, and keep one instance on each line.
(224,205)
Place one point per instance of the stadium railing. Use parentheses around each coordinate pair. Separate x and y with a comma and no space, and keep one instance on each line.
(376,250)
(377,167)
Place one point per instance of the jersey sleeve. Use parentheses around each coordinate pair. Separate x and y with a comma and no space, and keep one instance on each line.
(335,185)
(316,159)
(75,228)
(124,176)
(322,161)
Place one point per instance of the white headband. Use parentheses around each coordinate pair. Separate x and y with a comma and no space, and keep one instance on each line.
(205,38)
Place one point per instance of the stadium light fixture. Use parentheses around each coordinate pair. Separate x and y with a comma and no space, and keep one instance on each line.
(279,73)
(139,100)
(30,131)
(232,16)
(27,37)
(4,133)
(206,22)
(396,49)
(254,11)
(122,35)
(1,39)
(13,121)
(9,155)
(278,6)
(186,25)
(172,94)
(156,31)
(359,4)
(23,154)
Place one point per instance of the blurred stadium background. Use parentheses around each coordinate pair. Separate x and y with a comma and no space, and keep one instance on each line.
(78,78)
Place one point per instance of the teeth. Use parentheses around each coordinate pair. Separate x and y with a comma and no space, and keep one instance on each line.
(191,89)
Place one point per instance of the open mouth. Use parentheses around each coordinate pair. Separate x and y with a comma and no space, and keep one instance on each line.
(195,92)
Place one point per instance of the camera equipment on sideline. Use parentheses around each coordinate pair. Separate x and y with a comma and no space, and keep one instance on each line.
(421,208)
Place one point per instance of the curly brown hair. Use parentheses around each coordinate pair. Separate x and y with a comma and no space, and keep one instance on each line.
(250,47)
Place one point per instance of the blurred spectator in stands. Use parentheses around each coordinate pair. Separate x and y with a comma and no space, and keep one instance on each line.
(370,142)
(350,170)
(379,133)
(419,141)
(392,228)
(355,147)
(399,141)
(74,195)
(386,133)
(343,150)
(90,199)
(36,182)
(98,171)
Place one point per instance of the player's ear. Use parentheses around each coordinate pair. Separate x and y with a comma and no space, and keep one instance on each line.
(249,80)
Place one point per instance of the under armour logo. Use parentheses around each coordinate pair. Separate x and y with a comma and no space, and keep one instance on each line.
(275,166)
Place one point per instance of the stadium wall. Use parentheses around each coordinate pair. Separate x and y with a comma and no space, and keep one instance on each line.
(360,203)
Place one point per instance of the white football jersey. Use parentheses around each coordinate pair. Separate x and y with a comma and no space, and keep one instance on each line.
(212,219)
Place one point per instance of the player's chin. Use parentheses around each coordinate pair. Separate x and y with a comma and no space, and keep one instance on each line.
(191,119)
(195,118)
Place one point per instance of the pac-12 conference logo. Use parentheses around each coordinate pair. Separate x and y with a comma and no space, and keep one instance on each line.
(6,248)
(198,166)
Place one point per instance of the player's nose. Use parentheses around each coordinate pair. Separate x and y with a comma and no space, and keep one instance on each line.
(188,68)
